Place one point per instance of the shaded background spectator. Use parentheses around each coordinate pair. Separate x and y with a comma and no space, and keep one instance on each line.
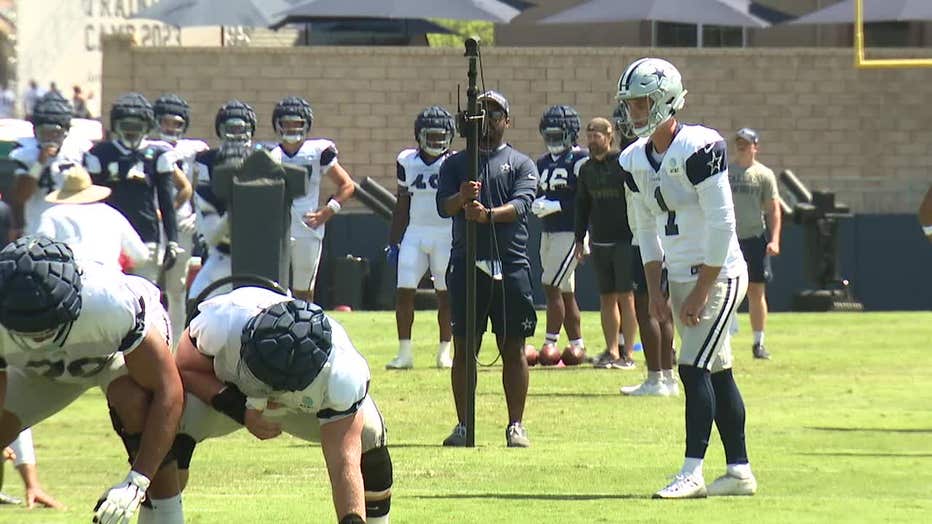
(79,102)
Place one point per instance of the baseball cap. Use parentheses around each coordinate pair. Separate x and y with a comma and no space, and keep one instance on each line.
(748,134)
(496,97)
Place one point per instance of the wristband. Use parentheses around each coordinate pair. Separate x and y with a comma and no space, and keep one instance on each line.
(927,230)
(334,206)
(231,402)
(490,215)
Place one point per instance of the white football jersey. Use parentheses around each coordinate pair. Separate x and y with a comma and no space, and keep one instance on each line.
(185,150)
(117,310)
(48,177)
(317,156)
(420,180)
(685,200)
(339,388)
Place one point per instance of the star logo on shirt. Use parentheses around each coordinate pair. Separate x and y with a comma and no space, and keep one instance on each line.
(527,324)
(505,169)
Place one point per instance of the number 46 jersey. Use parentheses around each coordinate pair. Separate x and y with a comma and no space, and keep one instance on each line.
(419,179)
(684,199)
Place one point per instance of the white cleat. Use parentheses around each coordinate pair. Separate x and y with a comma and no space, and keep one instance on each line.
(672,387)
(646,389)
(683,487)
(444,360)
(400,362)
(729,485)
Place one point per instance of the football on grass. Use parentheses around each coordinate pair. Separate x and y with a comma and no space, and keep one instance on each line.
(530,354)
(573,355)
(549,355)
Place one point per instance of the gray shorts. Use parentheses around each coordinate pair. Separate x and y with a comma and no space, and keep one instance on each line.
(612,266)
(708,345)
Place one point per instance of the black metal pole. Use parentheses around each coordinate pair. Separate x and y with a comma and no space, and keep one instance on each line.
(473,121)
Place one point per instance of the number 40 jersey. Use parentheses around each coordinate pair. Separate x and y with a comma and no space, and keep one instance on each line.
(684,199)
(420,180)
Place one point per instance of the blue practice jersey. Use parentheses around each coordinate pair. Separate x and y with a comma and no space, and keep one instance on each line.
(558,182)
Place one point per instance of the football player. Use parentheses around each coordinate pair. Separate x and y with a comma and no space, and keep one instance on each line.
(40,162)
(140,174)
(425,237)
(65,328)
(260,359)
(292,120)
(173,116)
(686,220)
(235,125)
(555,205)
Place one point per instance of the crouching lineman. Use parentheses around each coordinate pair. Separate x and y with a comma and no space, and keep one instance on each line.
(64,329)
(686,220)
(262,360)
(235,125)
(424,236)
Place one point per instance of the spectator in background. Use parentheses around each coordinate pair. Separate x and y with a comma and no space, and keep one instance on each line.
(754,189)
(80,103)
(95,231)
(7,102)
(33,95)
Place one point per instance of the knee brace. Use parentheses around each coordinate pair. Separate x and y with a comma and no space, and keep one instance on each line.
(183,450)
(132,441)
(376,466)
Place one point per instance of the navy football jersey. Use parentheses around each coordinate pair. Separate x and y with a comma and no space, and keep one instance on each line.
(558,182)
(138,180)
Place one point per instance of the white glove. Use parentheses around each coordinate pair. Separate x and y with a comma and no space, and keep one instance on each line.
(119,503)
(543,207)
(188,224)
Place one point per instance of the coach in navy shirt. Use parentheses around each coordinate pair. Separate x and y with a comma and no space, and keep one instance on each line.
(498,203)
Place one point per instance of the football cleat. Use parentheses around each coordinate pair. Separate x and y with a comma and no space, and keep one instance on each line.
(401,362)
(683,487)
(516,436)
(760,352)
(729,485)
(457,438)
(646,389)
(672,387)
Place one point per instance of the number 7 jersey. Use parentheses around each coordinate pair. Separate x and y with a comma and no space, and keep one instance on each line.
(420,180)
(683,205)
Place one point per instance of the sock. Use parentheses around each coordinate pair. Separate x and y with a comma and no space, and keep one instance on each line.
(741,471)
(551,338)
(163,511)
(654,377)
(621,339)
(443,348)
(692,466)
(404,348)
(729,417)
(23,448)
(700,409)
(758,337)
(577,343)
(377,520)
(667,375)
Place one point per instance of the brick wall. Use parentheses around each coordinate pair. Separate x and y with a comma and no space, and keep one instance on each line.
(861,133)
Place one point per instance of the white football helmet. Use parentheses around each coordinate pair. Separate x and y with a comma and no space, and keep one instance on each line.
(658,80)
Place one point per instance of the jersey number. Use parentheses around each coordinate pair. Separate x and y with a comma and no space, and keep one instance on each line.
(553,180)
(671,228)
(81,368)
(419,182)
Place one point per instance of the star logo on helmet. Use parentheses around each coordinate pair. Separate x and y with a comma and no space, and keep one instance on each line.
(659,73)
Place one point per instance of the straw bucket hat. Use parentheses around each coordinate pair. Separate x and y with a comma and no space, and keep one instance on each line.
(77,189)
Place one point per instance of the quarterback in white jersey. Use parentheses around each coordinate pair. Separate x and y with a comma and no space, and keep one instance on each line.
(292,119)
(686,220)
(260,359)
(419,237)
(40,161)
(173,116)
(65,328)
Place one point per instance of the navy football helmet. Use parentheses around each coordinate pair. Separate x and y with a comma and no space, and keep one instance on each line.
(173,115)
(434,128)
(235,122)
(51,120)
(292,119)
(131,119)
(559,126)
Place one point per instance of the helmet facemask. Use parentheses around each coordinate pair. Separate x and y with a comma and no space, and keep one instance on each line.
(556,139)
(171,127)
(50,135)
(434,141)
(236,130)
(131,131)
(291,129)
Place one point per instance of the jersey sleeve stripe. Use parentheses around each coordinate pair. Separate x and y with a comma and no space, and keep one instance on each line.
(137,332)
(708,161)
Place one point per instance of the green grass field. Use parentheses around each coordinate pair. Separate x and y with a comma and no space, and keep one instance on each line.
(839,430)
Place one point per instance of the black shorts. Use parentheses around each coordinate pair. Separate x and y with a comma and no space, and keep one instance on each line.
(613,267)
(755,254)
(507,302)
(639,278)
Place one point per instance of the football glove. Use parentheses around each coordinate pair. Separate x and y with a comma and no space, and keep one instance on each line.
(391,254)
(543,207)
(118,504)
(172,250)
